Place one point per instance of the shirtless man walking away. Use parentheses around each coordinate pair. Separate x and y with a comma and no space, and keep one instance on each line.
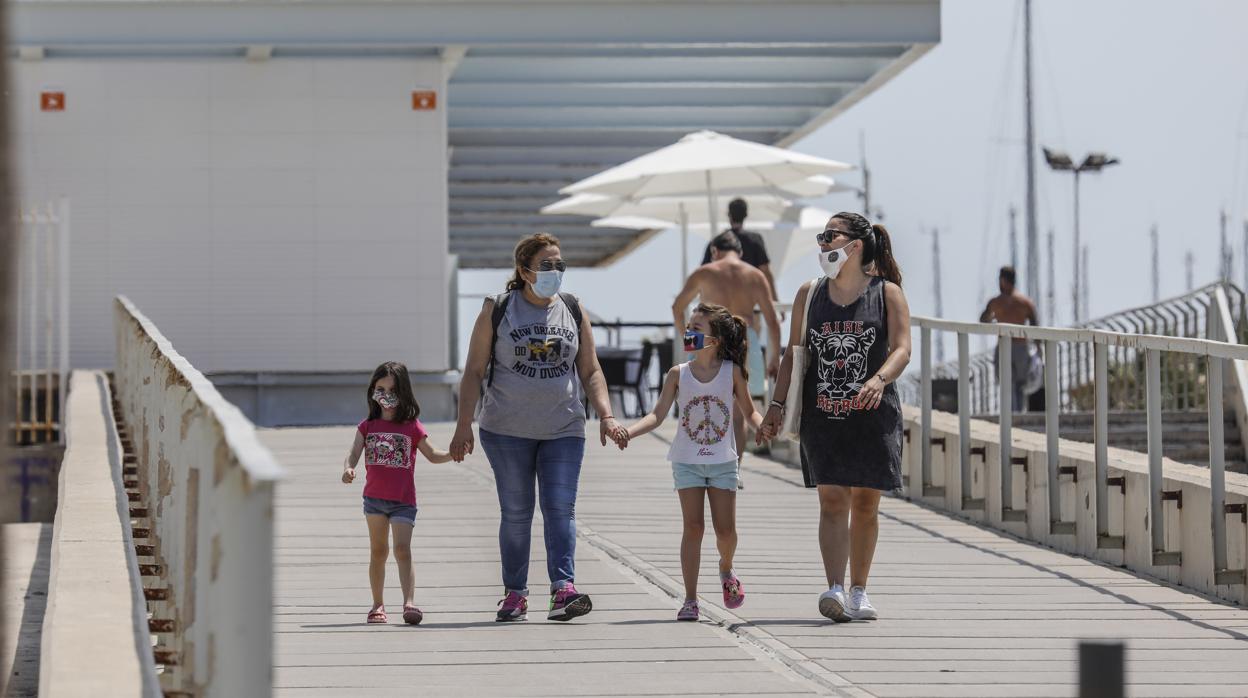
(739,287)
(1012,307)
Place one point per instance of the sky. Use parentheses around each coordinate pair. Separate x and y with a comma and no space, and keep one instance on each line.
(1160,84)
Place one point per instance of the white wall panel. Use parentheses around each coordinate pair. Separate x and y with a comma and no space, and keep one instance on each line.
(286,215)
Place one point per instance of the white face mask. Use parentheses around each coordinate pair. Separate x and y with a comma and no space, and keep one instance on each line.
(547,283)
(832,260)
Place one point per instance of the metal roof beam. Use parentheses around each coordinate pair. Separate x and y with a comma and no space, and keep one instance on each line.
(524,154)
(650,137)
(646,94)
(449,22)
(771,117)
(652,69)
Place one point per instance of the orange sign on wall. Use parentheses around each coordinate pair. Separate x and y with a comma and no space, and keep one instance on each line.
(52,101)
(424,100)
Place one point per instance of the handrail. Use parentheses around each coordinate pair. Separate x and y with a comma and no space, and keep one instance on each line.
(1184,345)
(1215,355)
(203,494)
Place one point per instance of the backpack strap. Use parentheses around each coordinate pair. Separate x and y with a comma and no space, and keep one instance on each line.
(574,307)
(501,302)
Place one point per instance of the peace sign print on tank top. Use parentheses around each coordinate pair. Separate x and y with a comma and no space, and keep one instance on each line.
(713,424)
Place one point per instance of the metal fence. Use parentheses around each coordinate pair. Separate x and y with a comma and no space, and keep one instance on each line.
(41,326)
(1184,382)
(204,499)
(1155,353)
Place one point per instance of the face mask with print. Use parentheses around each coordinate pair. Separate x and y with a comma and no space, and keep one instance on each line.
(547,283)
(832,261)
(694,340)
(388,401)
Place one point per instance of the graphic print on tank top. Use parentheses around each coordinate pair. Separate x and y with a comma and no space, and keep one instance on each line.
(542,351)
(706,420)
(841,349)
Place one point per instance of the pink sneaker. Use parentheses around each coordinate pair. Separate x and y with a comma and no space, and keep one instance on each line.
(734,593)
(688,611)
(513,607)
(568,603)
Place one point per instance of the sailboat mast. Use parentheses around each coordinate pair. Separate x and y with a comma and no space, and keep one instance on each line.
(1033,244)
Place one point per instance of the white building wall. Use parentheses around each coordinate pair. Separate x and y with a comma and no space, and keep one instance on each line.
(283,215)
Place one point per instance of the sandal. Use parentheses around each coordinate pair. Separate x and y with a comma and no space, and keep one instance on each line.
(412,615)
(377,616)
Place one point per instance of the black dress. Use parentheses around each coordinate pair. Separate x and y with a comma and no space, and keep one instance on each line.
(841,443)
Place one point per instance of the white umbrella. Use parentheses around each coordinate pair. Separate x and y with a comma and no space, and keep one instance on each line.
(705,163)
(667,208)
(788,239)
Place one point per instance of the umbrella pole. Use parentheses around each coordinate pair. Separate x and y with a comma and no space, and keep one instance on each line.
(677,346)
(712,205)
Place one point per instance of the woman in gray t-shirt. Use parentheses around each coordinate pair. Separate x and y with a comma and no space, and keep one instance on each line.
(531,360)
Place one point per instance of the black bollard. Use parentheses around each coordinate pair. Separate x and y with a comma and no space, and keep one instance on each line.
(1102,670)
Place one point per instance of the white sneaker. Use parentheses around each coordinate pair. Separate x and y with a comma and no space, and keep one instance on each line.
(860,607)
(832,604)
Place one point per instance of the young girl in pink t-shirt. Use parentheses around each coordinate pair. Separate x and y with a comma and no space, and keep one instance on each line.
(388,439)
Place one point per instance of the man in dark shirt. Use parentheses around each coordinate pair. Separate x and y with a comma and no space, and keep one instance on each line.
(753,249)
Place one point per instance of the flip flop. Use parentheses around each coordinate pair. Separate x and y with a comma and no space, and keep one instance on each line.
(412,615)
(377,616)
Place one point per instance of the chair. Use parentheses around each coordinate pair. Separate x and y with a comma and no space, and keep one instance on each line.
(615,369)
(664,350)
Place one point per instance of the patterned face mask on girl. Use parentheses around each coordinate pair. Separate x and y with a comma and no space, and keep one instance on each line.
(388,401)
(694,341)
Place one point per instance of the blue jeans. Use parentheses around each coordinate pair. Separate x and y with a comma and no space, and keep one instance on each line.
(555,465)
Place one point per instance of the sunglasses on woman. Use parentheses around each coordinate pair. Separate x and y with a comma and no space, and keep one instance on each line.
(830,235)
(548,265)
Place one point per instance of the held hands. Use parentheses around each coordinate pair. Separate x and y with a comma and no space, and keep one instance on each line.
(462,443)
(872,393)
(608,428)
(772,423)
(348,476)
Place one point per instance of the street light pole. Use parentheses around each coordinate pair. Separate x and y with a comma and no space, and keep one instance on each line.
(1093,162)
(1078,315)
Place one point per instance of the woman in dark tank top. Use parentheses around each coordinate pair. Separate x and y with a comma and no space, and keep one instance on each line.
(858,343)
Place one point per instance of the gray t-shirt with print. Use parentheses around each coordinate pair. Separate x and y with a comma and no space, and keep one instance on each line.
(536,392)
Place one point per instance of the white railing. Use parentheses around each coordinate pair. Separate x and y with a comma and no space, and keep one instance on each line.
(205,489)
(41,324)
(1098,342)
(1182,380)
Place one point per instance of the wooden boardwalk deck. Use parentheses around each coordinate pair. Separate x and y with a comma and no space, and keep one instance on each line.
(964,611)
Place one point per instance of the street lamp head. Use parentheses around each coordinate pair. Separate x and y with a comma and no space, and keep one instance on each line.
(1097,161)
(1058,160)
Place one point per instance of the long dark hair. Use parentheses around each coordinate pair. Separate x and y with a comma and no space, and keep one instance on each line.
(877,247)
(730,331)
(408,408)
(526,250)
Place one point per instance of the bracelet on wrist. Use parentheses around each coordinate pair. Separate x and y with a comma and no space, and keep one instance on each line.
(777,403)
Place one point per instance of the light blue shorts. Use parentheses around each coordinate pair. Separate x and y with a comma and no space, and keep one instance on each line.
(722,476)
(754,361)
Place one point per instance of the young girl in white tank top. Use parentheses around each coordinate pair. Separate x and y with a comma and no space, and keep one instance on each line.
(704,453)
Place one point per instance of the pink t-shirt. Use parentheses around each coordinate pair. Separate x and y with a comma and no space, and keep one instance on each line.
(390,458)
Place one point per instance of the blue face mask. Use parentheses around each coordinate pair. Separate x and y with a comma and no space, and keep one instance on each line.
(547,283)
(694,341)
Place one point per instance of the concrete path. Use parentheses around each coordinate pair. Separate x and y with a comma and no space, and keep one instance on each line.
(964,611)
(27,556)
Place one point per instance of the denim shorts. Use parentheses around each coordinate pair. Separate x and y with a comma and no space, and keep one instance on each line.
(395,511)
(721,476)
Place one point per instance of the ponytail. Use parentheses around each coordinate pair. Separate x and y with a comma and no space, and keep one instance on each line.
(877,247)
(885,263)
(730,330)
